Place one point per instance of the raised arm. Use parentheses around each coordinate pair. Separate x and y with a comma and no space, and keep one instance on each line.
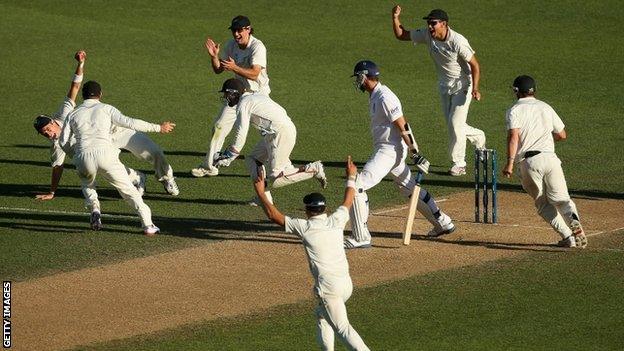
(351,172)
(119,119)
(270,210)
(213,51)
(81,57)
(399,32)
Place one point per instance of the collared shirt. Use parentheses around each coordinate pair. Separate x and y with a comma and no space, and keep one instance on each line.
(536,121)
(323,238)
(384,109)
(262,113)
(92,123)
(450,56)
(254,54)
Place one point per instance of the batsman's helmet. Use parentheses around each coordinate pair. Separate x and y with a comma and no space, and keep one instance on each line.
(232,90)
(41,121)
(524,84)
(314,202)
(367,68)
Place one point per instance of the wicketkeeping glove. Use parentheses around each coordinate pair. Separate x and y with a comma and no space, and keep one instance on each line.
(225,158)
(421,163)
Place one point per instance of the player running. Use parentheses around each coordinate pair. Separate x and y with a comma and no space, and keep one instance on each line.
(392,139)
(533,127)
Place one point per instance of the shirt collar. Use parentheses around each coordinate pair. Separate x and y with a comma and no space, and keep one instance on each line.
(321,216)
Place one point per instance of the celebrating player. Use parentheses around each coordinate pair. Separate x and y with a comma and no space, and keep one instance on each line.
(322,239)
(139,144)
(91,124)
(392,139)
(246,57)
(458,79)
(533,127)
(279,135)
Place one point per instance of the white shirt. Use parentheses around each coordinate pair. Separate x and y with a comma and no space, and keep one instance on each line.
(262,113)
(323,238)
(384,109)
(451,58)
(92,122)
(254,54)
(57,154)
(536,121)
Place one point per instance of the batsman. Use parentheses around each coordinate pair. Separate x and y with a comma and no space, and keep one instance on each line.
(393,140)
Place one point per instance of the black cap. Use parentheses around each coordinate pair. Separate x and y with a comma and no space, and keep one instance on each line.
(233,85)
(41,121)
(437,14)
(91,89)
(239,22)
(314,200)
(524,84)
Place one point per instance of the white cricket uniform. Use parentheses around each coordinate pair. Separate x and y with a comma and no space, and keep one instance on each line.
(139,144)
(451,59)
(541,175)
(389,154)
(254,54)
(322,238)
(279,135)
(91,124)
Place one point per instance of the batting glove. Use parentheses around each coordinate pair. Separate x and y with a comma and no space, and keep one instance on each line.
(225,158)
(421,163)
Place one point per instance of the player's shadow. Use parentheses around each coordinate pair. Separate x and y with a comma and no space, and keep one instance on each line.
(487,244)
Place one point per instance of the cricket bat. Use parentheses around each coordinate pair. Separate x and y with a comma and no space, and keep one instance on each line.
(407,233)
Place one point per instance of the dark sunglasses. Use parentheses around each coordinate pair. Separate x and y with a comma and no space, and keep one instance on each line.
(433,23)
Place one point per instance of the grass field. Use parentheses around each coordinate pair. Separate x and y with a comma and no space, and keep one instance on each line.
(150,60)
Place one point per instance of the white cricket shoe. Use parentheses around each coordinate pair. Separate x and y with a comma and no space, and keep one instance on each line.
(444,226)
(457,171)
(170,185)
(201,171)
(151,230)
(579,234)
(141,184)
(567,242)
(319,172)
(96,220)
(351,243)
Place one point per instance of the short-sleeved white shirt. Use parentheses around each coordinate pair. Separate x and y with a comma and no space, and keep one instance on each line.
(450,56)
(323,238)
(261,112)
(536,121)
(384,109)
(57,154)
(254,54)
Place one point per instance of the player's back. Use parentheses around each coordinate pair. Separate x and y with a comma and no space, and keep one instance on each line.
(91,125)
(264,113)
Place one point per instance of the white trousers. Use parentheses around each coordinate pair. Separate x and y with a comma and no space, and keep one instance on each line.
(331,317)
(144,148)
(455,110)
(222,126)
(106,161)
(542,178)
(273,151)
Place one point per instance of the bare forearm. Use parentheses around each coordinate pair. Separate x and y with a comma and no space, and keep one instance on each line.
(216,65)
(249,73)
(57,173)
(270,210)
(348,197)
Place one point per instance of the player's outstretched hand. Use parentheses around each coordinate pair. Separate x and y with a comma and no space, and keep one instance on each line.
(259,183)
(508,170)
(212,47)
(396,11)
(80,56)
(167,127)
(44,197)
(351,169)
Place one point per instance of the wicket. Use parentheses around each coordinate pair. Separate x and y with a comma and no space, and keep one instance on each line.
(481,161)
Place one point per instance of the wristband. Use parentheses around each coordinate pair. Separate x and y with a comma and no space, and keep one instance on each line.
(77,78)
(52,192)
(351,183)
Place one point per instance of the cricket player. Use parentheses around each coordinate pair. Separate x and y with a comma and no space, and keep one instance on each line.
(246,57)
(532,129)
(91,124)
(279,135)
(139,144)
(459,76)
(393,139)
(322,237)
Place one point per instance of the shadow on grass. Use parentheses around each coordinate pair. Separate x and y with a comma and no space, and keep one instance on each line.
(197,228)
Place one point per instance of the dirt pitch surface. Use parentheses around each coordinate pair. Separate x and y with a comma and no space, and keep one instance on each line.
(236,277)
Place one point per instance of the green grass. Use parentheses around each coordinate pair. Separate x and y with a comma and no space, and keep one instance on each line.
(537,301)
